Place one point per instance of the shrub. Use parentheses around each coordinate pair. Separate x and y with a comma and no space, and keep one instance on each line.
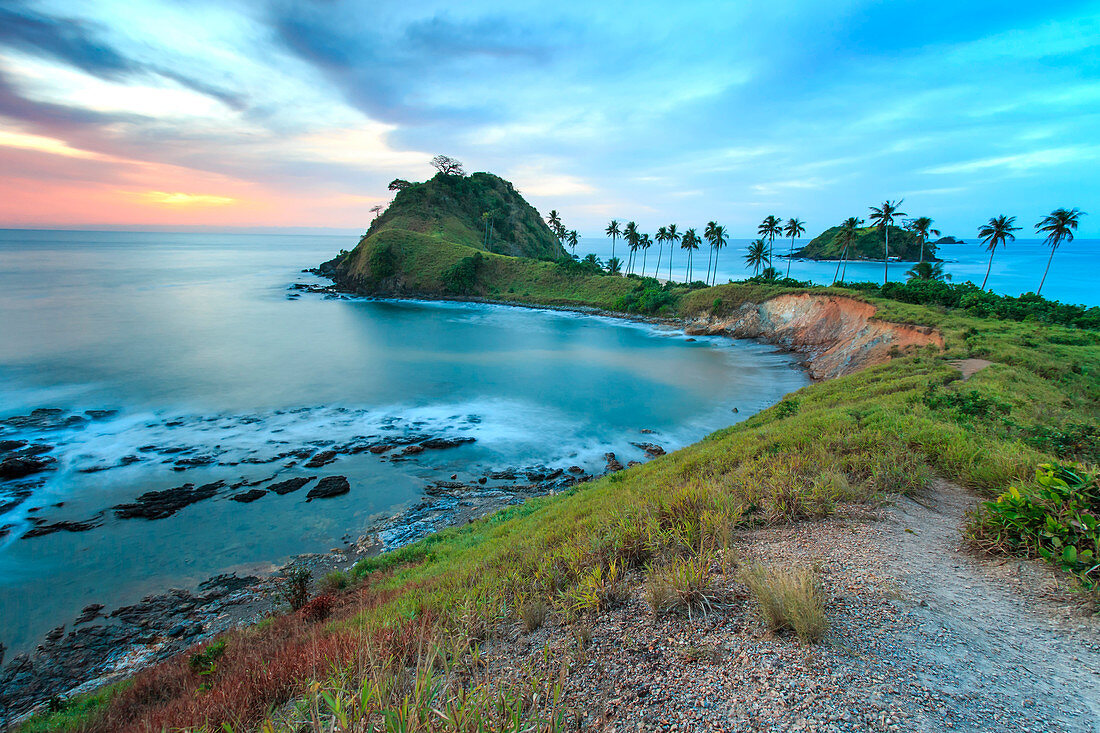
(964,404)
(1057,518)
(205,662)
(683,585)
(461,278)
(292,587)
(533,613)
(598,589)
(318,608)
(334,581)
(788,599)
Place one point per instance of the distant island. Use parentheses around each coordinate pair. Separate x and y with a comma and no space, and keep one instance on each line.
(948,240)
(868,245)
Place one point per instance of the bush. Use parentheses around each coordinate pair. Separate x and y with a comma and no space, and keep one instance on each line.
(964,404)
(334,581)
(1057,518)
(204,663)
(789,599)
(534,612)
(683,585)
(461,278)
(648,297)
(292,587)
(319,608)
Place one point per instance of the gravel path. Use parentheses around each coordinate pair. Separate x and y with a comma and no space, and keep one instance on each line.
(924,636)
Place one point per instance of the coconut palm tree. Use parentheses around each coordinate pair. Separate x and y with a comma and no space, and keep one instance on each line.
(1059,226)
(614,265)
(661,238)
(613,232)
(794,228)
(757,255)
(572,238)
(630,234)
(645,243)
(848,231)
(769,229)
(922,227)
(925,271)
(554,222)
(997,231)
(690,242)
(708,232)
(673,238)
(718,240)
(883,217)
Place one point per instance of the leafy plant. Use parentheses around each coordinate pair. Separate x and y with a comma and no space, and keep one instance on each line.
(964,404)
(292,587)
(1057,518)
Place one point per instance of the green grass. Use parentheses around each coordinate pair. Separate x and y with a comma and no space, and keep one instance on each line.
(73,714)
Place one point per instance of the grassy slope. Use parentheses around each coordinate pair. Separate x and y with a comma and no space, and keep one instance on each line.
(859,437)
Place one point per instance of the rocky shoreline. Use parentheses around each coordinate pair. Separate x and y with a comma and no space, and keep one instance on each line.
(102,646)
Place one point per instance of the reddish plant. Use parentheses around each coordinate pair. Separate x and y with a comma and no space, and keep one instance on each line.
(319,608)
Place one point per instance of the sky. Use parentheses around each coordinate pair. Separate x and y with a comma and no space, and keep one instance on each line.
(188,113)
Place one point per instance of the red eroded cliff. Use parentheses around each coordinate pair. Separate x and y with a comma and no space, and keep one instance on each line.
(837,334)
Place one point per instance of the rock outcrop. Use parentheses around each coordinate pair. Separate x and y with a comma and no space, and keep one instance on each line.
(837,335)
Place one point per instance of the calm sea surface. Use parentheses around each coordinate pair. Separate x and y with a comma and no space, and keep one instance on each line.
(194,343)
(1017,268)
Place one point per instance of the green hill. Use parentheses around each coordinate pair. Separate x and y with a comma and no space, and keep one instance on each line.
(452,208)
(868,245)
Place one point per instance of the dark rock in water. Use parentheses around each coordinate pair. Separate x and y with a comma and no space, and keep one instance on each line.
(67,526)
(89,613)
(54,635)
(22,465)
(576,469)
(612,462)
(45,418)
(329,486)
(100,414)
(376,449)
(651,449)
(165,503)
(554,474)
(446,442)
(291,484)
(450,484)
(185,463)
(482,480)
(505,475)
(321,459)
(535,476)
(248,496)
(633,463)
(647,431)
(10,445)
(412,450)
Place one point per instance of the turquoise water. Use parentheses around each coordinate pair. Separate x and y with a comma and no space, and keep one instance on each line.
(193,340)
(1017,268)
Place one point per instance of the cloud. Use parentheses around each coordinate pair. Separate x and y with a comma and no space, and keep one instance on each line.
(1022,162)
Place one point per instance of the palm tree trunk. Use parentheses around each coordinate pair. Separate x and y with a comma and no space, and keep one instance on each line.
(716,266)
(922,251)
(710,252)
(789,256)
(837,273)
(689,267)
(844,259)
(613,246)
(660,251)
(671,249)
(988,268)
(1049,259)
(886,257)
(645,254)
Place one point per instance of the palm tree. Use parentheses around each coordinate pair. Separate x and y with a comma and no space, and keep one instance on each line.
(848,231)
(708,233)
(769,229)
(661,238)
(883,218)
(673,238)
(926,271)
(1059,226)
(645,243)
(690,242)
(614,265)
(757,255)
(997,231)
(794,228)
(613,232)
(922,227)
(554,220)
(573,238)
(718,240)
(630,234)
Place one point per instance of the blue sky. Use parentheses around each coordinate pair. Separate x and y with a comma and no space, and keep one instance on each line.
(256,113)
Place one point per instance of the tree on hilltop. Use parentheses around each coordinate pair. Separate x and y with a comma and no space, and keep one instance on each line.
(399,184)
(448,166)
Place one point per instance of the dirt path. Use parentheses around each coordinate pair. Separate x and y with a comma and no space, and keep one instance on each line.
(924,636)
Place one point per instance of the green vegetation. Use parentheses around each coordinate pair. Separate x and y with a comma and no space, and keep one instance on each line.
(453,208)
(868,244)
(1057,517)
(74,714)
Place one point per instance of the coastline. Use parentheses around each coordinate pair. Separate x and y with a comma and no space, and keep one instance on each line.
(167,623)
